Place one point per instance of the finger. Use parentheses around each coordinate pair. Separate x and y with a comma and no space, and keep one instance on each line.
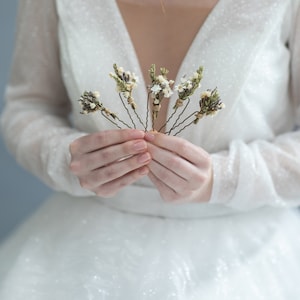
(113,187)
(174,163)
(183,148)
(94,160)
(114,171)
(166,192)
(170,179)
(99,140)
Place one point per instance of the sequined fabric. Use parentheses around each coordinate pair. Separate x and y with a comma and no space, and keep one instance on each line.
(241,245)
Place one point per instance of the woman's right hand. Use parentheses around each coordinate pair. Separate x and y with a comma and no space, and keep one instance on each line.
(106,161)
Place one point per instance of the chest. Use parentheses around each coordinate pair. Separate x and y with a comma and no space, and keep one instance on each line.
(162,32)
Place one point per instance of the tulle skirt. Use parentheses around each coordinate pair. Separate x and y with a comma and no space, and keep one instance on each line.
(86,248)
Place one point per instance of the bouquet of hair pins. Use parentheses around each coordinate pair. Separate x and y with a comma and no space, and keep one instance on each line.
(160,88)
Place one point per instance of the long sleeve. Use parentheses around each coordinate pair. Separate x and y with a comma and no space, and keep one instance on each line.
(35,122)
(264,173)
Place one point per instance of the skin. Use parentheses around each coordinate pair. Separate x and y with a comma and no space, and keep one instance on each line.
(163,36)
(107,161)
(181,171)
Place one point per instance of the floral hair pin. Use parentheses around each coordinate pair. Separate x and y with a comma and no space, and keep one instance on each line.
(159,89)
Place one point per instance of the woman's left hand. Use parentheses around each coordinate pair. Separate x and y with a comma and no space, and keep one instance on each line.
(181,171)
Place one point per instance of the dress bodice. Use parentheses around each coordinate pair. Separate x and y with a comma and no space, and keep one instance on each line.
(246,57)
(252,58)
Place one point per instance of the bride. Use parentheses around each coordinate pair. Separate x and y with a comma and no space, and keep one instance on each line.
(208,214)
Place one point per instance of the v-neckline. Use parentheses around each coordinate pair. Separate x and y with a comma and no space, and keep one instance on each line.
(195,44)
(201,32)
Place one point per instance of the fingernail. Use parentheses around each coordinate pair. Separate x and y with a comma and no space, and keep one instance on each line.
(149,136)
(139,146)
(137,134)
(144,158)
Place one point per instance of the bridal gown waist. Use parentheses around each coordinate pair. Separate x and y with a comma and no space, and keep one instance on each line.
(146,200)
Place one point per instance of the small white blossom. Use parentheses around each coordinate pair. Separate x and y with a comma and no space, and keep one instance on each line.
(135,78)
(120,71)
(96,94)
(179,88)
(161,79)
(189,85)
(167,92)
(126,94)
(196,75)
(155,89)
(206,94)
(92,105)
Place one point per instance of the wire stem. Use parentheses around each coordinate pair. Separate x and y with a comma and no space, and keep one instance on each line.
(183,128)
(127,110)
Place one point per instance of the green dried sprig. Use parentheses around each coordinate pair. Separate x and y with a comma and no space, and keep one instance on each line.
(126,82)
(210,103)
(187,87)
(89,102)
(185,90)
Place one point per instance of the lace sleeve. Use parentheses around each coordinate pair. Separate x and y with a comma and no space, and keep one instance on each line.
(264,173)
(34,121)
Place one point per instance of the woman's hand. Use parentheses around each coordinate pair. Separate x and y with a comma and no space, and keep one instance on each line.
(180,170)
(106,161)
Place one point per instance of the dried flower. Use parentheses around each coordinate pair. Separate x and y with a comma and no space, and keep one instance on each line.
(159,89)
(187,87)
(210,103)
(126,82)
(89,102)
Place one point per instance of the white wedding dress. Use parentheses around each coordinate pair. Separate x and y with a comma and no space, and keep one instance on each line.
(244,244)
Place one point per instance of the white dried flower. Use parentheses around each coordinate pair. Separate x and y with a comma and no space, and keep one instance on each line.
(206,94)
(155,89)
(167,92)
(92,105)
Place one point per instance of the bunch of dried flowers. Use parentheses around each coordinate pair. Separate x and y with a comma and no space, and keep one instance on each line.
(159,89)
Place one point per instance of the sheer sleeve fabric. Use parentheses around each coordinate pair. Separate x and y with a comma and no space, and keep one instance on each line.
(34,121)
(264,173)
